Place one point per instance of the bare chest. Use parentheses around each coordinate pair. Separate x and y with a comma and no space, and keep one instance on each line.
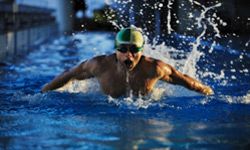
(118,84)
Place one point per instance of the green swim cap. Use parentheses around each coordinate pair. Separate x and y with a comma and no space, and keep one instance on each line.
(129,35)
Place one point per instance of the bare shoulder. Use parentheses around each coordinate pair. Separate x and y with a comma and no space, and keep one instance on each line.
(98,64)
(160,66)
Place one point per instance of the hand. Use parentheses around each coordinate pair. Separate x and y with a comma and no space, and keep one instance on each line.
(207,91)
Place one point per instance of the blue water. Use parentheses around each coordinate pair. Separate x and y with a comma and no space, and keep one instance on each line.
(89,120)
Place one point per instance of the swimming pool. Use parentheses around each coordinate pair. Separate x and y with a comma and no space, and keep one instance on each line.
(82,117)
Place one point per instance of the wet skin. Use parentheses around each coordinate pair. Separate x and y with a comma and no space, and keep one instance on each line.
(119,72)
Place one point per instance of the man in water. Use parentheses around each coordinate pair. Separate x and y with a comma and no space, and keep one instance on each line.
(127,70)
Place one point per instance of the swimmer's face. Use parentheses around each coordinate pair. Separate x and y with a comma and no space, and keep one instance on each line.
(128,55)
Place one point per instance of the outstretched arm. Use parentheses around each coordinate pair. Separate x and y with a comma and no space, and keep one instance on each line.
(171,75)
(80,72)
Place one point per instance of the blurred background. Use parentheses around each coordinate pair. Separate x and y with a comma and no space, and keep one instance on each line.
(27,23)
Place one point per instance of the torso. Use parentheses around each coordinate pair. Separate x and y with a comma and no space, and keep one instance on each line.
(115,81)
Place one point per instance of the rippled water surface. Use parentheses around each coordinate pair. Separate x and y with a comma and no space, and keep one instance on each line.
(80,116)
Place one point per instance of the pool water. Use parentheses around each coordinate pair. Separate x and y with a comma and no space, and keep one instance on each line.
(79,116)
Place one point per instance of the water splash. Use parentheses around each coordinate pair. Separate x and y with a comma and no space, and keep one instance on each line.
(195,55)
(183,60)
(190,64)
(133,102)
(212,47)
(208,19)
(170,3)
(247,43)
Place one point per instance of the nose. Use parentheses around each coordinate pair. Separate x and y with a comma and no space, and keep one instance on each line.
(129,54)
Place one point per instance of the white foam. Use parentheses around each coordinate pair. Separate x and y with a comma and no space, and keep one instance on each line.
(245,99)
(83,86)
(133,102)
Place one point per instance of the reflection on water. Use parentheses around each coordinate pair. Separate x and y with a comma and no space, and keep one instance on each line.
(85,132)
(112,132)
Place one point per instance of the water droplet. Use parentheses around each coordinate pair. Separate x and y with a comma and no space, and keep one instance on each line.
(233,70)
(233,77)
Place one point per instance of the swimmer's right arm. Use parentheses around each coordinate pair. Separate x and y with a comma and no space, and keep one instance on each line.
(83,71)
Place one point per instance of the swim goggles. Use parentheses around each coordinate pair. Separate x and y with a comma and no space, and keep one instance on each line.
(123,48)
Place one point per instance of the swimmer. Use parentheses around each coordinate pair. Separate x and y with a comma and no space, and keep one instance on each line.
(127,69)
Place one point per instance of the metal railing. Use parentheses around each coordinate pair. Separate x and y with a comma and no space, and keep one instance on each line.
(23,27)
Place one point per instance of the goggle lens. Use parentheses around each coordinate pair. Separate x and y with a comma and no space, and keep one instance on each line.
(131,48)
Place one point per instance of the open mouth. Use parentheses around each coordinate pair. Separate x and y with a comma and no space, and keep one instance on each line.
(128,63)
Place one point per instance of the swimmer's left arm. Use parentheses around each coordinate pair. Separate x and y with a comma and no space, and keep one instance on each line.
(171,75)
